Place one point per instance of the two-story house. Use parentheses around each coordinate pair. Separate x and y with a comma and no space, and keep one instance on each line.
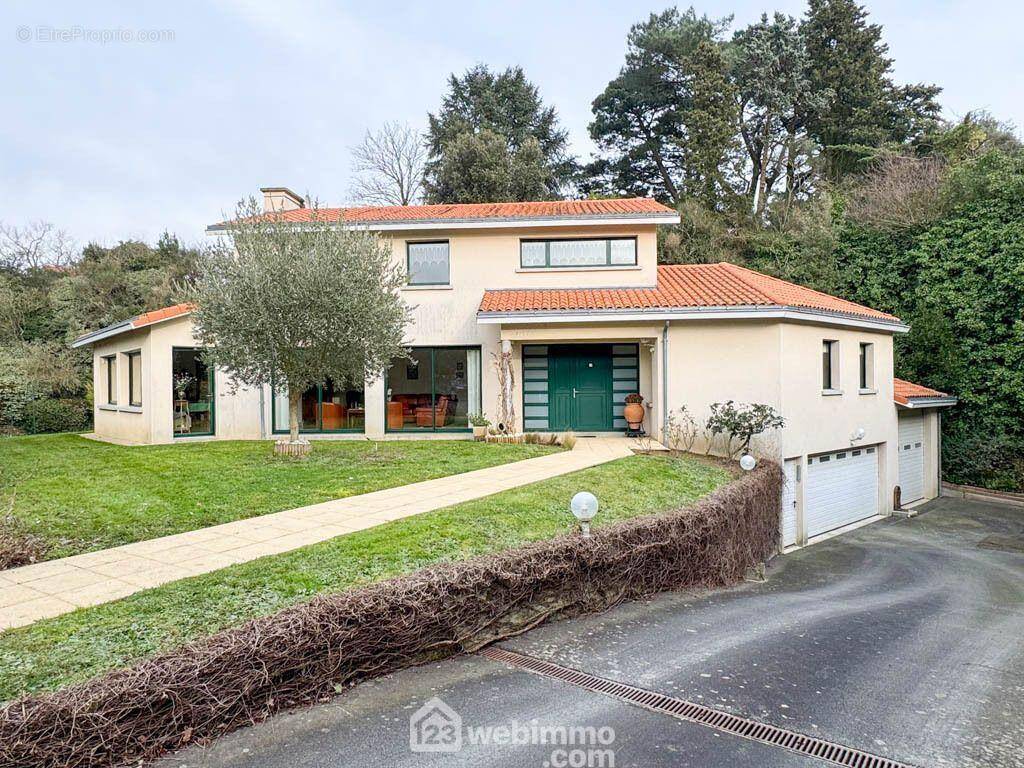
(573,291)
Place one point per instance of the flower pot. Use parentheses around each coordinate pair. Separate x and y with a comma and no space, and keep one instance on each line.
(633,413)
(479,432)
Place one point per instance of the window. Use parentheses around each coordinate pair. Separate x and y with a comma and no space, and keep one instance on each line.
(327,407)
(192,393)
(867,367)
(603,252)
(830,366)
(428,263)
(110,364)
(134,378)
(438,389)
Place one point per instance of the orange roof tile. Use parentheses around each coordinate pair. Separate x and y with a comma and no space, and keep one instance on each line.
(679,286)
(148,318)
(545,209)
(905,391)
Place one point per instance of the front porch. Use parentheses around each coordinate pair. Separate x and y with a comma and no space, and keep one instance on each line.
(577,378)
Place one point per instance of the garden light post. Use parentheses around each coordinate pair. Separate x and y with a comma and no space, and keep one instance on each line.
(584,507)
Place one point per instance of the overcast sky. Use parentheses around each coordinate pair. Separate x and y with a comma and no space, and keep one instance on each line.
(120,139)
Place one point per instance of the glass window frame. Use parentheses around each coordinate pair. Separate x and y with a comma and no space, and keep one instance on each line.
(275,429)
(607,252)
(132,383)
(212,378)
(867,366)
(408,262)
(433,391)
(830,366)
(110,370)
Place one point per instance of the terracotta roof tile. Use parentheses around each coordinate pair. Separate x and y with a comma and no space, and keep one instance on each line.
(679,286)
(148,318)
(905,391)
(546,209)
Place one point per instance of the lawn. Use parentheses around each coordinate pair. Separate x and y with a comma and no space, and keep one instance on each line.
(79,645)
(80,495)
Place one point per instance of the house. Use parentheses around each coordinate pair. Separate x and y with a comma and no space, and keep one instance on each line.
(572,292)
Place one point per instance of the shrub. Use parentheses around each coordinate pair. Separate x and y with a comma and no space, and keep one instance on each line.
(741,422)
(51,415)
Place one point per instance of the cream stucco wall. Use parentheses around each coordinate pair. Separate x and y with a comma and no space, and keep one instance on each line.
(122,422)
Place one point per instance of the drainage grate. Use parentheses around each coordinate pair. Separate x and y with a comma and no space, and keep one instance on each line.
(698,713)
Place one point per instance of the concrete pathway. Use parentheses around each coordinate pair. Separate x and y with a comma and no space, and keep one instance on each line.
(51,588)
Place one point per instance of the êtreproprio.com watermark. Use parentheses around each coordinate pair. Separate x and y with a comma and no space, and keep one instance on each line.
(102,36)
(436,727)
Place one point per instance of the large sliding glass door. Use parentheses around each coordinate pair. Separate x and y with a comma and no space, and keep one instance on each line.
(192,393)
(435,389)
(324,408)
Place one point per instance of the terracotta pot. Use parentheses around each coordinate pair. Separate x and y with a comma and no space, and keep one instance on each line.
(633,413)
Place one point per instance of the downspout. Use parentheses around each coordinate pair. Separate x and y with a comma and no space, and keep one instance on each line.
(938,453)
(664,381)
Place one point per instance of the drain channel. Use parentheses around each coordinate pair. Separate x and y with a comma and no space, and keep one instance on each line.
(697,713)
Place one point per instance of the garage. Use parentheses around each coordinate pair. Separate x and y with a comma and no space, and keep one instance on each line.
(842,488)
(911,456)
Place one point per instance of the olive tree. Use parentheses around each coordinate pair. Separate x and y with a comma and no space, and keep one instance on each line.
(293,304)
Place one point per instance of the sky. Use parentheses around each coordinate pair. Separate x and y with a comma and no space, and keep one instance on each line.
(126,120)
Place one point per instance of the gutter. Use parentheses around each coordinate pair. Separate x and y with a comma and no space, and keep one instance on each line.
(743,312)
(929,402)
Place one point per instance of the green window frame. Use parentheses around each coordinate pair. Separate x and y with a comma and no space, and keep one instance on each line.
(433,390)
(410,244)
(212,380)
(608,261)
(283,430)
(134,382)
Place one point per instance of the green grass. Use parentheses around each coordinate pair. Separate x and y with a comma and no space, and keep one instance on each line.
(79,645)
(80,495)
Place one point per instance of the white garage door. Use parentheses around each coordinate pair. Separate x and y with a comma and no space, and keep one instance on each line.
(842,488)
(911,453)
(789,504)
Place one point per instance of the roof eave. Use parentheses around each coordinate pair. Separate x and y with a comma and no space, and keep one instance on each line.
(386,225)
(927,402)
(117,329)
(655,314)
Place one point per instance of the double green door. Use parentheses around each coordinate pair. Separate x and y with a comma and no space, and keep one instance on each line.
(580,387)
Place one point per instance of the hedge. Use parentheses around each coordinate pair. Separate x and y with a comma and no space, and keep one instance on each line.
(308,653)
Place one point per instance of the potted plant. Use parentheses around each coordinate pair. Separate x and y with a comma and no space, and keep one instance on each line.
(480,424)
(633,413)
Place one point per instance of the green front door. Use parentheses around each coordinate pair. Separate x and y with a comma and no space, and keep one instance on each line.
(580,387)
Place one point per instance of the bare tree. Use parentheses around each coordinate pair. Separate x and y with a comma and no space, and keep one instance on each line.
(35,246)
(900,191)
(389,166)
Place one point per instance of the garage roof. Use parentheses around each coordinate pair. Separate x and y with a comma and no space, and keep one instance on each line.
(911,395)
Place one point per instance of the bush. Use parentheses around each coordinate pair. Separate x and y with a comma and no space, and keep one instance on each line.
(51,415)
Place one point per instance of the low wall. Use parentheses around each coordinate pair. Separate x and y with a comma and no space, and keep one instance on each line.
(308,652)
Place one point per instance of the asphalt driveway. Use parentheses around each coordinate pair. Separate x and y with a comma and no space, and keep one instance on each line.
(904,638)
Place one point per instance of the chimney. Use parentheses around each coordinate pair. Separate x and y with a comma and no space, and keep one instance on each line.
(277,199)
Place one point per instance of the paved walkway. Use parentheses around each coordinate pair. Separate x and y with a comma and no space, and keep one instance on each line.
(48,589)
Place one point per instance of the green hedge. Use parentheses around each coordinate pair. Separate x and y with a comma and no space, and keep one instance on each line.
(55,415)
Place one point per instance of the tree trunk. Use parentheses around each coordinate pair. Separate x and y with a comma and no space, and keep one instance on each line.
(294,406)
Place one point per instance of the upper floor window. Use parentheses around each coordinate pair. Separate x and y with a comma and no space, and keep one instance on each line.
(867,366)
(428,263)
(590,252)
(110,368)
(830,365)
(134,378)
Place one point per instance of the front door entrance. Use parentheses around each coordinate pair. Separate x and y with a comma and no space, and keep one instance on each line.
(581,387)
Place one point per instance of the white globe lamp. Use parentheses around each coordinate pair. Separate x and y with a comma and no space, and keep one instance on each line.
(584,506)
(747,462)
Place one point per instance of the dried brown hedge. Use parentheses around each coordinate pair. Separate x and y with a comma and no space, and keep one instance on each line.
(311,651)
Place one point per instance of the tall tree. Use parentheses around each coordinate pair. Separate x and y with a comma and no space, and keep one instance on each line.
(293,307)
(772,74)
(389,166)
(666,125)
(866,110)
(493,108)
